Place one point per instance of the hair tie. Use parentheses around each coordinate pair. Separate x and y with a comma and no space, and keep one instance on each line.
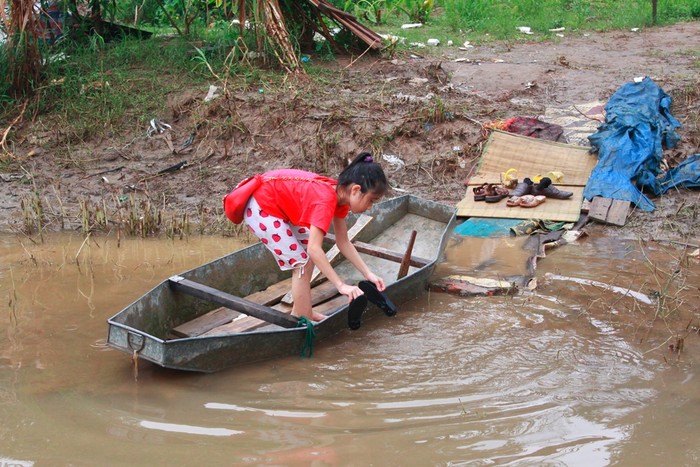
(368,158)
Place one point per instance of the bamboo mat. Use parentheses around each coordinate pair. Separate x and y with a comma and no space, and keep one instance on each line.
(530,157)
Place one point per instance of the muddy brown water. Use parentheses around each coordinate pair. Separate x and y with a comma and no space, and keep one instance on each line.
(566,375)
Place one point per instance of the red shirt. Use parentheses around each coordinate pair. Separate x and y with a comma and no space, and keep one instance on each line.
(300,197)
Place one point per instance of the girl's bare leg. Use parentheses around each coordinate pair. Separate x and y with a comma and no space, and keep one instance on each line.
(301,293)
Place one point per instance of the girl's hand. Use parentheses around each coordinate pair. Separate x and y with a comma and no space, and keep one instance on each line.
(378,281)
(350,291)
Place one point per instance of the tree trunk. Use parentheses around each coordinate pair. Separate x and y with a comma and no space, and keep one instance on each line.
(23,56)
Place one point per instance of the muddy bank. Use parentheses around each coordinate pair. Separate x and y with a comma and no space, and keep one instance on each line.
(422,110)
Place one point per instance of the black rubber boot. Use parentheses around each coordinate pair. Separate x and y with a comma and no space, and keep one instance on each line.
(355,310)
(378,298)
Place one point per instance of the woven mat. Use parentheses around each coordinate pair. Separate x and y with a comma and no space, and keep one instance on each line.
(578,121)
(530,157)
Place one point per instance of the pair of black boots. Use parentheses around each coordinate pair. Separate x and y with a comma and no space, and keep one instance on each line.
(359,305)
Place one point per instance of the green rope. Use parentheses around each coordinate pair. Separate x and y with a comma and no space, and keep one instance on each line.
(308,346)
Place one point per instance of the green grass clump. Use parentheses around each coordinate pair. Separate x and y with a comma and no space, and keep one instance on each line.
(101,88)
(501,17)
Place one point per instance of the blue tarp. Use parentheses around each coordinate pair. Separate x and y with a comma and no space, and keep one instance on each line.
(686,174)
(637,126)
(486,227)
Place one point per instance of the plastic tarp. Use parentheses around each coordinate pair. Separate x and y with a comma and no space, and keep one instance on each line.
(686,174)
(486,227)
(638,125)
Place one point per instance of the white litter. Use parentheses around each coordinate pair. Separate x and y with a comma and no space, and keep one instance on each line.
(409,98)
(524,29)
(411,25)
(418,81)
(393,160)
(212,94)
(393,39)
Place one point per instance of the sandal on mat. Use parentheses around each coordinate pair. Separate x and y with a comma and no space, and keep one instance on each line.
(495,193)
(480,192)
(531,201)
(377,297)
(355,310)
(513,201)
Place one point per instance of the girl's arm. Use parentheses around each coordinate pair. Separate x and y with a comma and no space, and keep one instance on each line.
(348,250)
(318,256)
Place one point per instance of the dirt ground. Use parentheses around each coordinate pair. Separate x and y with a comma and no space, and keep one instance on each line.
(424,108)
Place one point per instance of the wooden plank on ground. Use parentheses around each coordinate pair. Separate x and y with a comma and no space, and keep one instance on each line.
(617,215)
(609,211)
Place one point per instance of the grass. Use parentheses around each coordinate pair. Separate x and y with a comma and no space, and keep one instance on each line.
(486,20)
(104,88)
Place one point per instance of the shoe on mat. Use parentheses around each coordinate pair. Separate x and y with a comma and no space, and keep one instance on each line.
(513,201)
(545,188)
(355,310)
(480,192)
(495,193)
(531,201)
(377,297)
(522,188)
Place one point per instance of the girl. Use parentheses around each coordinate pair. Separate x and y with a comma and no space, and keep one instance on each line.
(291,212)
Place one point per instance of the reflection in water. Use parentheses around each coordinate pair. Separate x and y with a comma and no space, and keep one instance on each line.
(189,429)
(270,413)
(569,375)
(500,257)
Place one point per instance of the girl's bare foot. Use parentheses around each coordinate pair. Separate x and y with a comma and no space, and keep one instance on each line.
(314,316)
(317,316)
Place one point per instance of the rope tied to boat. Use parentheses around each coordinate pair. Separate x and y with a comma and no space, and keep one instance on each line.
(308,346)
(136,342)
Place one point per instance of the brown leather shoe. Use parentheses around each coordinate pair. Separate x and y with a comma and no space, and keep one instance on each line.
(522,188)
(546,188)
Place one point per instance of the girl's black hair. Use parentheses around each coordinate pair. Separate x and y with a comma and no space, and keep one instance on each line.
(365,172)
